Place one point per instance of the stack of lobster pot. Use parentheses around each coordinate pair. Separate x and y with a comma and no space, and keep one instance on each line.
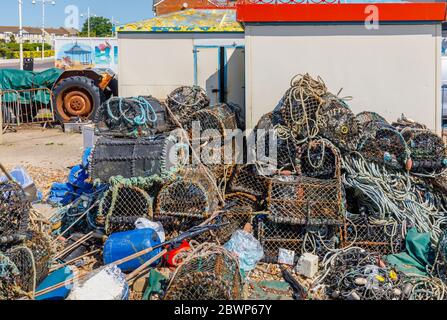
(305,195)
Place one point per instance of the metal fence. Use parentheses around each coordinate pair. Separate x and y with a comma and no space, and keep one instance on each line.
(26,106)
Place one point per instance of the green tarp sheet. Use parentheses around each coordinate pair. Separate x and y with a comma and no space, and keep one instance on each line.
(23,80)
(417,258)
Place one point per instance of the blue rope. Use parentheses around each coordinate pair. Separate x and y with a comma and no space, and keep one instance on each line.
(147,112)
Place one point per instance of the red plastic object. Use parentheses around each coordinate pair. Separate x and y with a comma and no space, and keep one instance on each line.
(347,12)
(173,258)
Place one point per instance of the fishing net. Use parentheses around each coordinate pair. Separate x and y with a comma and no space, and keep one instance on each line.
(142,157)
(341,125)
(440,265)
(384,145)
(383,237)
(318,240)
(209,273)
(40,246)
(264,136)
(192,195)
(354,274)
(131,117)
(320,159)
(14,212)
(10,278)
(122,206)
(301,105)
(428,151)
(247,180)
(24,276)
(185,101)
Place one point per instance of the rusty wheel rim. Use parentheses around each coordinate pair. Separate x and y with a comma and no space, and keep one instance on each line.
(74,104)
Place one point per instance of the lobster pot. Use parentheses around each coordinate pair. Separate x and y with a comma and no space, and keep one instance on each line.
(234,219)
(14,212)
(40,246)
(122,206)
(301,105)
(320,159)
(384,238)
(210,273)
(191,195)
(240,199)
(428,151)
(303,200)
(185,101)
(22,270)
(341,125)
(247,180)
(366,117)
(384,145)
(136,116)
(131,158)
(9,278)
(300,239)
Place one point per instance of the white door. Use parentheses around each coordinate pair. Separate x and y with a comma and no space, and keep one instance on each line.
(207,71)
(235,74)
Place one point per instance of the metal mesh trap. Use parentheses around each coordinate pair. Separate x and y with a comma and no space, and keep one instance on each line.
(383,237)
(341,125)
(14,212)
(234,219)
(385,145)
(301,106)
(40,246)
(366,117)
(185,101)
(122,206)
(318,240)
(134,117)
(428,151)
(240,199)
(191,195)
(247,180)
(209,273)
(320,159)
(303,200)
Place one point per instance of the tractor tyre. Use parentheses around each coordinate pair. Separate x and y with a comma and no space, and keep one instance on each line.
(76,97)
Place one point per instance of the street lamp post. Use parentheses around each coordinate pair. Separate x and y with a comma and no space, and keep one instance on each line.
(44,2)
(88,14)
(20,34)
(114,24)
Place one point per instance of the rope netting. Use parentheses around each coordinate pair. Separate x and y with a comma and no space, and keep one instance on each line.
(209,273)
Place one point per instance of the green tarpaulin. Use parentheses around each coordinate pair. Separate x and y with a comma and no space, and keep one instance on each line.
(418,256)
(24,80)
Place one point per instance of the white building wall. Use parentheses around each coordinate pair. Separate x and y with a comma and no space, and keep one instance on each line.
(156,64)
(393,70)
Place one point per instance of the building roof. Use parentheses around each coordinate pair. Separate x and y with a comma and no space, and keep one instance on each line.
(191,20)
(33,30)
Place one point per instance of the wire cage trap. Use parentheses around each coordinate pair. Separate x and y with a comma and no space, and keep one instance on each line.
(428,151)
(192,195)
(366,117)
(241,199)
(209,273)
(121,206)
(185,101)
(382,237)
(247,180)
(301,105)
(40,246)
(341,125)
(320,159)
(383,144)
(233,219)
(131,117)
(14,212)
(20,275)
(318,240)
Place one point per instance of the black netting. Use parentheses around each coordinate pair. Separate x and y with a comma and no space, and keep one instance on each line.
(185,101)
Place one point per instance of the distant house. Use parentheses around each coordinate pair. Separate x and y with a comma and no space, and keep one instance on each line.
(34,35)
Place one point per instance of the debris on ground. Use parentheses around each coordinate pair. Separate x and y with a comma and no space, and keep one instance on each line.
(353,208)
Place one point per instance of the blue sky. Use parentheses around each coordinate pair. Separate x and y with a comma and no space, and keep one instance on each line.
(123,11)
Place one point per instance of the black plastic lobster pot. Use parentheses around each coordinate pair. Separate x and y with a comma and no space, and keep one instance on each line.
(129,158)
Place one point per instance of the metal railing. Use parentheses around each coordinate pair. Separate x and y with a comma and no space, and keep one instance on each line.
(26,106)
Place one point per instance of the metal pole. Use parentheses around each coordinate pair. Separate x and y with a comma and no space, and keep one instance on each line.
(20,34)
(88,20)
(43,29)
